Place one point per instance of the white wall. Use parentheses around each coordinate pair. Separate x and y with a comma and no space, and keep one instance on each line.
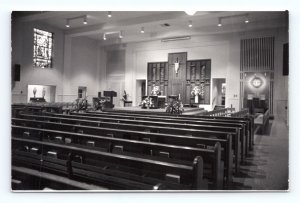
(81,67)
(222,49)
(206,47)
(22,53)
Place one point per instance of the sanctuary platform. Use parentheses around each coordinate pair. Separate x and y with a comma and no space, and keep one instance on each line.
(187,110)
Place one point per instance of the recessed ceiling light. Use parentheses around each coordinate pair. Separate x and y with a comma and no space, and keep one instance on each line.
(109,14)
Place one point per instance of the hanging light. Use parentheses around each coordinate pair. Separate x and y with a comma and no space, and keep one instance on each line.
(220,22)
(109,14)
(142,30)
(85,20)
(67,23)
(104,36)
(190,23)
(121,34)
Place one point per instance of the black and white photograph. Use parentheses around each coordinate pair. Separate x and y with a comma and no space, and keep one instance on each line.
(149,101)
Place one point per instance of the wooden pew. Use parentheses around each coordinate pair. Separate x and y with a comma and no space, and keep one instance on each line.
(30,179)
(123,128)
(244,126)
(89,168)
(175,151)
(174,123)
(247,120)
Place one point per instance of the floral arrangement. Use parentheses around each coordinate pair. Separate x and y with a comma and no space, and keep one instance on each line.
(175,107)
(147,103)
(198,91)
(195,91)
(155,90)
(124,96)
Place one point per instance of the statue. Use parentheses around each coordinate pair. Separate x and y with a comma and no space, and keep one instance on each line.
(34,91)
(44,92)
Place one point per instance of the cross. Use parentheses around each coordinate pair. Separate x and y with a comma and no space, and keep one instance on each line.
(176,66)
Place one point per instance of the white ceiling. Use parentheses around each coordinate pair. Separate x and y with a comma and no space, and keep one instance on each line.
(130,22)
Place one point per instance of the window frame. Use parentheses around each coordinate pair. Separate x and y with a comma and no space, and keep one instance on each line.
(48,47)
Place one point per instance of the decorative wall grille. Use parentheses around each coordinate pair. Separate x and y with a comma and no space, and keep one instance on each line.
(257,54)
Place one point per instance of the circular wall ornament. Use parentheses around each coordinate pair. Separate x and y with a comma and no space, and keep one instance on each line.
(257,82)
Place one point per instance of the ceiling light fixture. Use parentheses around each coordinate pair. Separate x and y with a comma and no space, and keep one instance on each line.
(109,14)
(176,38)
(220,22)
(142,30)
(104,36)
(246,19)
(85,20)
(190,13)
(67,23)
(190,23)
(120,34)
(68,20)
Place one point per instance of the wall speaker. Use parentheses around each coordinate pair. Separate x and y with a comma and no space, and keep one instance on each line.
(17,72)
(285,69)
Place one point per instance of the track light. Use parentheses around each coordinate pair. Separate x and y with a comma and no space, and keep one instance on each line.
(104,37)
(220,22)
(246,19)
(67,23)
(121,34)
(190,23)
(142,30)
(85,20)
(109,14)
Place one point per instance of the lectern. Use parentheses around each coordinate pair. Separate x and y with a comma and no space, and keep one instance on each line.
(111,95)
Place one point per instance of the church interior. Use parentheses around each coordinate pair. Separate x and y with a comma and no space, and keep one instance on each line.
(149,100)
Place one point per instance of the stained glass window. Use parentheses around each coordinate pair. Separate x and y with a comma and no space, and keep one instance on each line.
(42,48)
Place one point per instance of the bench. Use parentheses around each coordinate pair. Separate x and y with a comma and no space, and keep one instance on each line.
(29,179)
(100,139)
(244,125)
(172,123)
(108,169)
(158,133)
(261,120)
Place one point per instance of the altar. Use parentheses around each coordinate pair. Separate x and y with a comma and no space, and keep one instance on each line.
(154,101)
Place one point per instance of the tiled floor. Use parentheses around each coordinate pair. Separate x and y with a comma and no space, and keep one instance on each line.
(267,166)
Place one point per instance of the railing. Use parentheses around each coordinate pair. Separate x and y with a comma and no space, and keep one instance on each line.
(241,113)
(219,112)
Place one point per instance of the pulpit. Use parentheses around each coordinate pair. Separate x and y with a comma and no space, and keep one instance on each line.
(111,95)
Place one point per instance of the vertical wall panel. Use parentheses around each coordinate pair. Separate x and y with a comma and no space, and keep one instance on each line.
(257,55)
